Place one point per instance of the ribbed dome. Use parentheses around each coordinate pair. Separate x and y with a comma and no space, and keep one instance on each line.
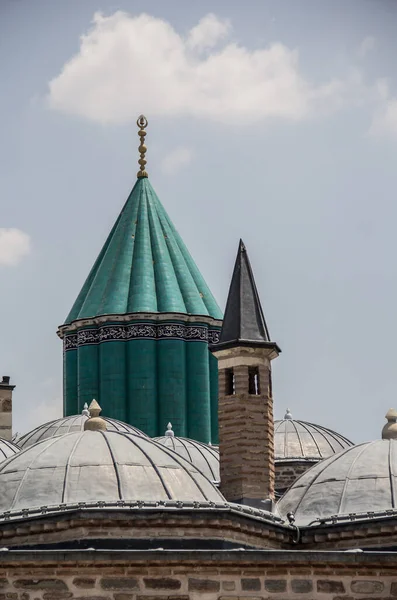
(144,266)
(99,466)
(202,456)
(69,425)
(298,440)
(7,449)
(360,479)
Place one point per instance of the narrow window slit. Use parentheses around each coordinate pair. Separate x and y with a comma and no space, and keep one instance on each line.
(230,383)
(253,381)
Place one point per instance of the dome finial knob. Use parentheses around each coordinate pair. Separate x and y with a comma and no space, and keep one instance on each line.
(389,431)
(169,432)
(142,124)
(288,414)
(95,422)
(85,410)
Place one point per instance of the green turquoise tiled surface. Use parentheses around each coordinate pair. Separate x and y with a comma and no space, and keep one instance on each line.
(144,266)
(147,383)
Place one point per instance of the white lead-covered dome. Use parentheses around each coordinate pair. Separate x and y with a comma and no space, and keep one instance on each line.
(7,449)
(99,466)
(359,481)
(202,456)
(69,425)
(298,440)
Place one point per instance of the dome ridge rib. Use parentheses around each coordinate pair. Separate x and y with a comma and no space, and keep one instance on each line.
(45,428)
(333,434)
(321,466)
(115,465)
(185,446)
(207,461)
(82,467)
(197,446)
(297,435)
(59,425)
(10,446)
(149,459)
(347,478)
(297,439)
(68,423)
(285,440)
(197,453)
(304,425)
(68,465)
(391,477)
(121,424)
(177,459)
(27,470)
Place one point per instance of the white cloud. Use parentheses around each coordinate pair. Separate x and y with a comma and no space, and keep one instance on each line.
(176,159)
(208,32)
(385,121)
(382,89)
(132,64)
(366,46)
(14,246)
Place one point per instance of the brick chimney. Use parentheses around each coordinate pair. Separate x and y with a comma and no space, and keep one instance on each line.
(246,426)
(6,390)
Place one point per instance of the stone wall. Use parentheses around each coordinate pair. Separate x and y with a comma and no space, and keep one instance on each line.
(6,408)
(170,586)
(114,576)
(288,472)
(246,426)
(148,526)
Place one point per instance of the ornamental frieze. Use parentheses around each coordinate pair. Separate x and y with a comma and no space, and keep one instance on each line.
(113,333)
(213,336)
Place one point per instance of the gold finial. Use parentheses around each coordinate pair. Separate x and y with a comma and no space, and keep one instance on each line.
(142,124)
(95,422)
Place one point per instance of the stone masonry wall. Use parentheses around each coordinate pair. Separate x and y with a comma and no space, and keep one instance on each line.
(6,409)
(288,472)
(246,427)
(194,582)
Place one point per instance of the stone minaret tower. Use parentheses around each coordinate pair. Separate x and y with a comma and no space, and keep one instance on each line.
(246,430)
(6,390)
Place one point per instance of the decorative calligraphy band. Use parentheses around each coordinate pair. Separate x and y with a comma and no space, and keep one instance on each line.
(150,331)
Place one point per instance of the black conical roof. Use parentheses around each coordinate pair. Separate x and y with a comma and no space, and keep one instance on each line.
(244,322)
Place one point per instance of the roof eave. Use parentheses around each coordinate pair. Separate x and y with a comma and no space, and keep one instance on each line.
(246,343)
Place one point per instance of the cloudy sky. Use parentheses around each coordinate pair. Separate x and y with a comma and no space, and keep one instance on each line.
(273,121)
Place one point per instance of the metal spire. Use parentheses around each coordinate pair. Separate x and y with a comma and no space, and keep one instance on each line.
(244,322)
(142,124)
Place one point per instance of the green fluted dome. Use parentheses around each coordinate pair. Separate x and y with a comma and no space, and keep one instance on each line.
(144,266)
